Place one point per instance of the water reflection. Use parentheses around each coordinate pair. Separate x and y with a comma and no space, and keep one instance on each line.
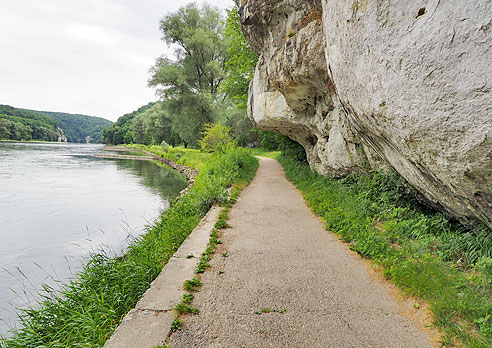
(160,179)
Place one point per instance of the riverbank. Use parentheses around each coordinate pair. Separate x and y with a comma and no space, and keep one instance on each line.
(88,309)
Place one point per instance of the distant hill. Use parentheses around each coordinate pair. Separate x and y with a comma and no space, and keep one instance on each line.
(23,124)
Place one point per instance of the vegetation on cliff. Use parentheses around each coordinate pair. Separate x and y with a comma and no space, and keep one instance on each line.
(79,128)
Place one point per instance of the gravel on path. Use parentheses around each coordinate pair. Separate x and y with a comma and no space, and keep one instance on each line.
(287,282)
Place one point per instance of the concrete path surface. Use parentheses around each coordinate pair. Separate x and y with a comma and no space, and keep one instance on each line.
(281,261)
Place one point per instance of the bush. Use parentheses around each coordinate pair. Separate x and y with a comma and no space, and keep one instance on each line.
(164,146)
(273,141)
(270,141)
(215,138)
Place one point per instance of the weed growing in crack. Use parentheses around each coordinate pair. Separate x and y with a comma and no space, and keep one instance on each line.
(266,310)
(176,325)
(192,285)
(183,308)
(202,265)
(187,298)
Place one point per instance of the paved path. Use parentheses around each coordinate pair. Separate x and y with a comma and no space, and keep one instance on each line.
(281,258)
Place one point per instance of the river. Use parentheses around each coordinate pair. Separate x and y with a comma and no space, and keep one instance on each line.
(58,204)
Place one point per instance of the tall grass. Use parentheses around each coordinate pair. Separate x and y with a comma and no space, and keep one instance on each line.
(86,311)
(421,251)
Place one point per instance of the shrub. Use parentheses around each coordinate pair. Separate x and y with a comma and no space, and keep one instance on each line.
(164,146)
(215,137)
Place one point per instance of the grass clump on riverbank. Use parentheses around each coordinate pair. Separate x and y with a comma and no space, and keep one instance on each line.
(89,308)
(187,157)
(421,251)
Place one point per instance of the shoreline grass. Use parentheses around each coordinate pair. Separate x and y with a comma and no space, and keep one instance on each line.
(89,308)
(420,251)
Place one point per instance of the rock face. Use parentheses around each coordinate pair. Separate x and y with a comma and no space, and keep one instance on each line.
(381,83)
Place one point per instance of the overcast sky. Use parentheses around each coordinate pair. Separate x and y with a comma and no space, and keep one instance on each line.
(82,56)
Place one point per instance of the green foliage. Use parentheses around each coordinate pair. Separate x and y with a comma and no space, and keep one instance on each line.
(206,82)
(118,133)
(192,284)
(21,124)
(421,251)
(188,298)
(164,146)
(239,68)
(89,308)
(176,325)
(153,126)
(184,308)
(241,61)
(273,141)
(215,138)
(78,128)
(190,112)
(189,83)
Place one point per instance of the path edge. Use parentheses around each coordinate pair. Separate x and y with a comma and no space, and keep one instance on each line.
(149,323)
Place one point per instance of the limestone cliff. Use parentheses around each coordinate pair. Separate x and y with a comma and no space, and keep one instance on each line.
(381,83)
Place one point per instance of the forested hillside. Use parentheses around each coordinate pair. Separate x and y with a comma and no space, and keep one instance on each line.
(120,131)
(22,124)
(77,127)
(17,124)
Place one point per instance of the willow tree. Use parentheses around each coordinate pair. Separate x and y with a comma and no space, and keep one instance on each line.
(188,84)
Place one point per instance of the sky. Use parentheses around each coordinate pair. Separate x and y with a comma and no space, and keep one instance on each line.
(88,57)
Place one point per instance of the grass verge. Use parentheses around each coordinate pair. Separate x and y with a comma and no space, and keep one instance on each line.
(89,308)
(421,251)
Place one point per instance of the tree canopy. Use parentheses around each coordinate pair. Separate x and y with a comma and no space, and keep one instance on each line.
(241,62)
(189,84)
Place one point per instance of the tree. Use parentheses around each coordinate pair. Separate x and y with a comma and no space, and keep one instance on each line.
(240,67)
(189,84)
(5,126)
(241,62)
(118,131)
(153,126)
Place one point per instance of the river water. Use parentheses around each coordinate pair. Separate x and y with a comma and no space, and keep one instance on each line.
(58,204)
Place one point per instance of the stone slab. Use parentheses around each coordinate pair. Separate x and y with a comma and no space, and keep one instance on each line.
(142,329)
(167,289)
(149,323)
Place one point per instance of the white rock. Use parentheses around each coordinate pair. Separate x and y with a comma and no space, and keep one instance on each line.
(401,83)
